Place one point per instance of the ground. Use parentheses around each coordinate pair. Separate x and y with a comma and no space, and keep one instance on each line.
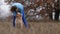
(43,27)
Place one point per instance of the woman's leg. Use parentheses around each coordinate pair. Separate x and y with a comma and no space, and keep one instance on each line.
(14,18)
(24,21)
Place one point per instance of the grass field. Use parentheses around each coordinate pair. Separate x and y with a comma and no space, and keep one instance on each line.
(43,27)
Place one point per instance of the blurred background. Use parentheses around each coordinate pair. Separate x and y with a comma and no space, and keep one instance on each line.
(37,10)
(43,17)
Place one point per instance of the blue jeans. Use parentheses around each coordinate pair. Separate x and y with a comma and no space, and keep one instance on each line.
(14,18)
(24,21)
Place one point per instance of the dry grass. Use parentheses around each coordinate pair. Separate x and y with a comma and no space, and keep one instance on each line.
(34,28)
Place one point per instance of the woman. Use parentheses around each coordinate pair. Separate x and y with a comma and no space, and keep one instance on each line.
(18,11)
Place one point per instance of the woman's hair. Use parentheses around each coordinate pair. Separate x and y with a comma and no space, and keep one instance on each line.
(13,8)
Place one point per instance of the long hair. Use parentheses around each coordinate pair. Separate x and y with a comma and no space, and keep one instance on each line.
(13,8)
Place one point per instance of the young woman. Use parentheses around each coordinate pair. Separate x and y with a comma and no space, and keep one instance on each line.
(18,12)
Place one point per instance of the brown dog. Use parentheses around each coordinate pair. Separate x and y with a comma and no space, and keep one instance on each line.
(19,19)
